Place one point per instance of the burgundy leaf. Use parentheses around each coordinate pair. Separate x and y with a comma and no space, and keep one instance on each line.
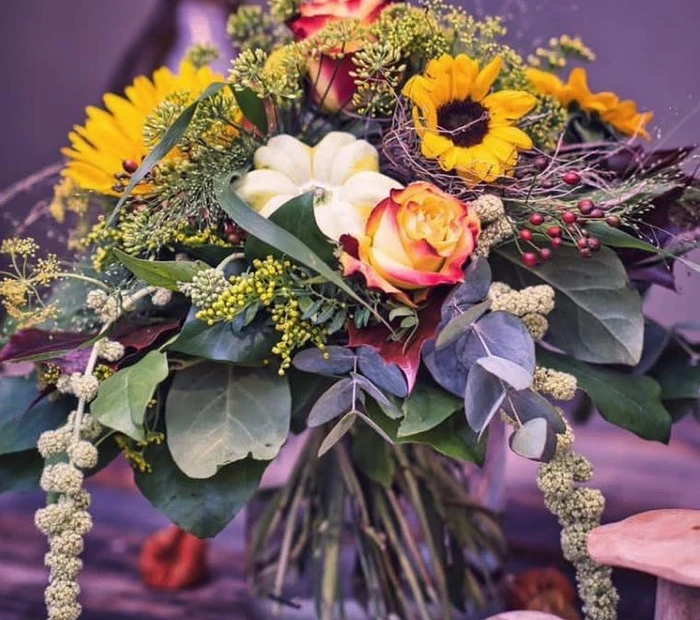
(407,358)
(29,343)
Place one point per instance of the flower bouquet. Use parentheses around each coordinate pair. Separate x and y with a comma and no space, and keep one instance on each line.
(384,233)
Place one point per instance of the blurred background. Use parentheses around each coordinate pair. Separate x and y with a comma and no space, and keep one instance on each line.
(59,57)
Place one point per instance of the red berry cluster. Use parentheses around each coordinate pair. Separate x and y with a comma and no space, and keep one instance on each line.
(574,225)
(233,233)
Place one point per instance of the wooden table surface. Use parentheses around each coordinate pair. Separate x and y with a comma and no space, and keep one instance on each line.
(635,476)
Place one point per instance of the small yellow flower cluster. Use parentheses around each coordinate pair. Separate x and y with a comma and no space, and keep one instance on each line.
(579,510)
(378,73)
(68,198)
(559,385)
(269,285)
(560,49)
(295,332)
(531,304)
(250,27)
(276,76)
(411,31)
(134,451)
(19,289)
(202,54)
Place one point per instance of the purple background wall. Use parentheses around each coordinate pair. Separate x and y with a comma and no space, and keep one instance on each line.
(60,56)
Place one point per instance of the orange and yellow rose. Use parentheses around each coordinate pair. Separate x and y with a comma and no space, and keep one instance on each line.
(332,85)
(417,238)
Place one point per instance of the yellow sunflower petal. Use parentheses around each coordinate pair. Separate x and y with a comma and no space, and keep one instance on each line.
(464,72)
(434,145)
(513,135)
(509,104)
(545,82)
(487,76)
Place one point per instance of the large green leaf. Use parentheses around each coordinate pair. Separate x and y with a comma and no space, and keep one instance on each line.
(218,414)
(123,398)
(165,274)
(202,507)
(297,217)
(427,407)
(22,421)
(269,232)
(598,316)
(169,140)
(629,401)
(220,343)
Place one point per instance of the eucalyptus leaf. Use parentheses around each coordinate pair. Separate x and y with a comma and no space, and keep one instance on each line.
(534,440)
(597,315)
(333,360)
(274,235)
(296,217)
(477,280)
(164,274)
(123,398)
(220,343)
(461,324)
(427,407)
(201,507)
(483,397)
(218,414)
(526,405)
(384,375)
(337,432)
(678,374)
(630,401)
(511,373)
(386,405)
(334,402)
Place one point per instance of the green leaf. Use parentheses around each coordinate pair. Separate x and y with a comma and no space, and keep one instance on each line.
(385,404)
(452,437)
(123,398)
(616,238)
(334,402)
(20,471)
(269,232)
(164,274)
(427,407)
(677,374)
(597,316)
(253,108)
(169,140)
(220,343)
(296,217)
(21,420)
(373,456)
(218,414)
(202,507)
(461,324)
(632,402)
(337,432)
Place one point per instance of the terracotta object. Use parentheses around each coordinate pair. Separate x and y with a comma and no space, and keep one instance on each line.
(542,589)
(664,543)
(172,559)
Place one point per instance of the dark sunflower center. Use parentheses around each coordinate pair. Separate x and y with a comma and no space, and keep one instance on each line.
(464,122)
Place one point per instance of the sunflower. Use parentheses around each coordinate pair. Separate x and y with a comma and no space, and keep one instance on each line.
(463,126)
(110,145)
(622,115)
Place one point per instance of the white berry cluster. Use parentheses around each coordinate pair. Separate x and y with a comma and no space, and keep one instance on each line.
(66,520)
(531,304)
(579,510)
(557,384)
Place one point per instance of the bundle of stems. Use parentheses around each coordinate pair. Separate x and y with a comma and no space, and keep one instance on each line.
(421,547)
